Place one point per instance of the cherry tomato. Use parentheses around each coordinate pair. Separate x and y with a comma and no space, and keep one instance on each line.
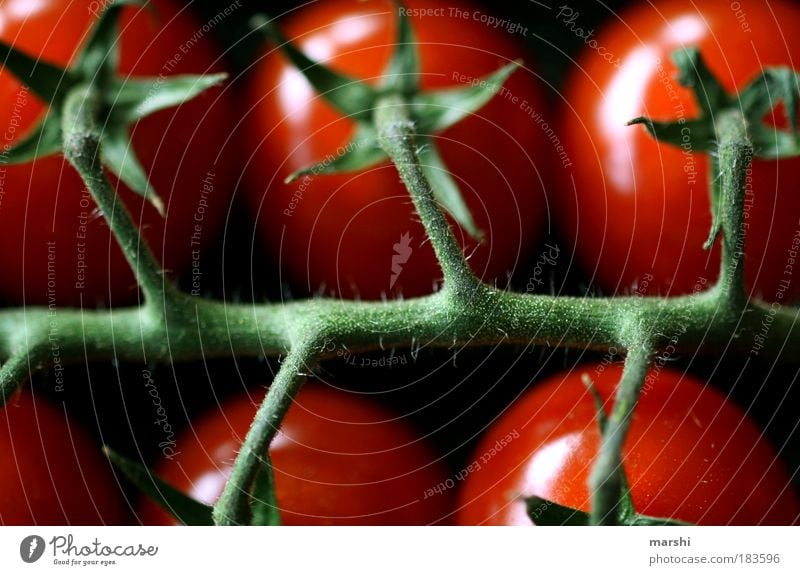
(639,214)
(691,454)
(338,460)
(52,473)
(51,235)
(342,235)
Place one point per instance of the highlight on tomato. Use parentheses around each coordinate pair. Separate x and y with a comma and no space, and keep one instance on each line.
(691,455)
(338,459)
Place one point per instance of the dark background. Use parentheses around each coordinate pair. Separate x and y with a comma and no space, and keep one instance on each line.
(451,399)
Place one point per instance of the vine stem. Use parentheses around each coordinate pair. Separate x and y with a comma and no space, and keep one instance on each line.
(82,146)
(396,135)
(733,163)
(233,506)
(605,481)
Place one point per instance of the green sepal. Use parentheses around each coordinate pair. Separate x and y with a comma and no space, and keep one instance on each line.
(352,97)
(403,72)
(696,135)
(694,74)
(118,155)
(42,140)
(444,187)
(263,505)
(135,98)
(360,153)
(439,110)
(548,513)
(187,510)
(99,58)
(773,87)
(48,81)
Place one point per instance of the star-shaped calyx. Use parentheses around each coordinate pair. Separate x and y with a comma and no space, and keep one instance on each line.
(772,87)
(123,100)
(432,111)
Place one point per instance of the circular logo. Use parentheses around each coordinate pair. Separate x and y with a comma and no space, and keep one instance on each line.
(31,548)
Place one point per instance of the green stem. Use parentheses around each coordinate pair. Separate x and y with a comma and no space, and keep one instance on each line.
(734,162)
(233,507)
(82,143)
(396,135)
(605,481)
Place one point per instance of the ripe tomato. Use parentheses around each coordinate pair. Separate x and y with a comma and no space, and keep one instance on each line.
(640,210)
(51,236)
(342,235)
(691,454)
(338,459)
(52,472)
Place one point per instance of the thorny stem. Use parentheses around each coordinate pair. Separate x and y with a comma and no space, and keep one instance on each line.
(233,506)
(735,156)
(396,135)
(605,482)
(82,143)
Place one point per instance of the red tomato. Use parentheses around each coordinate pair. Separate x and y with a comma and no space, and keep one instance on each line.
(640,210)
(51,235)
(691,454)
(52,473)
(338,459)
(342,234)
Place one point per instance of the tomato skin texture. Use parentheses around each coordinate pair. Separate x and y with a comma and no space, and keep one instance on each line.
(641,211)
(51,235)
(337,234)
(338,460)
(683,456)
(52,472)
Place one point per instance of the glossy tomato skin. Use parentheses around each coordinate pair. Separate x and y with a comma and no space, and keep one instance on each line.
(691,454)
(640,210)
(339,460)
(52,472)
(51,235)
(338,234)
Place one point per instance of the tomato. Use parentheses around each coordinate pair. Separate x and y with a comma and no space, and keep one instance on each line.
(52,472)
(691,454)
(342,235)
(51,236)
(338,459)
(639,214)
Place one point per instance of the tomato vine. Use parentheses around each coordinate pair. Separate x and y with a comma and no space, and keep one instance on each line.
(172,325)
